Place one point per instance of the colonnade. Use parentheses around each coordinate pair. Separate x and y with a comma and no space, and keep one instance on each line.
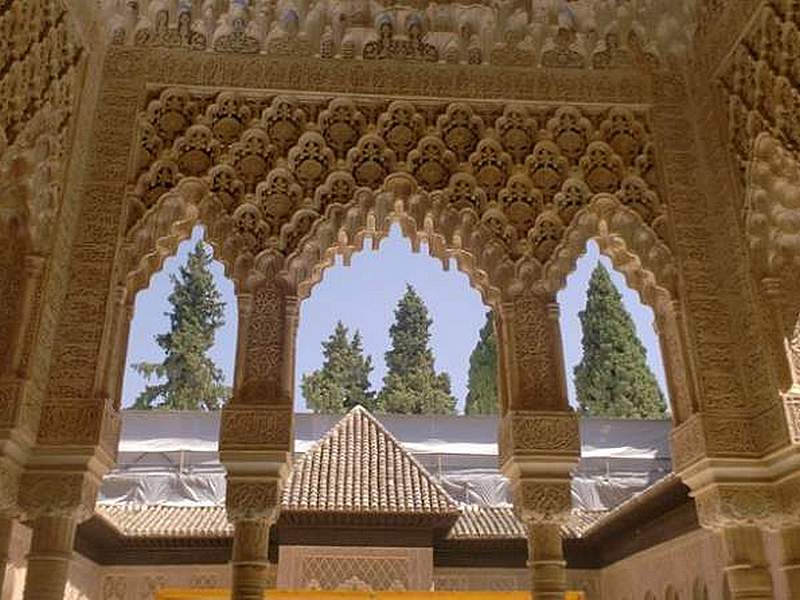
(725,334)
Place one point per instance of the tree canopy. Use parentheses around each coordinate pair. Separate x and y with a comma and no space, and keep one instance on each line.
(343,380)
(482,382)
(613,378)
(411,384)
(188,377)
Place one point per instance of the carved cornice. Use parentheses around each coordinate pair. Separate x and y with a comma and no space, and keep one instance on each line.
(134,67)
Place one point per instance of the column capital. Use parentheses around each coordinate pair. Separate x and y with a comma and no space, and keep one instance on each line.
(541,501)
(58,494)
(252,498)
(768,506)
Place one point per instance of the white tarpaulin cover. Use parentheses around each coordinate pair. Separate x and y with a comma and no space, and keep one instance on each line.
(170,458)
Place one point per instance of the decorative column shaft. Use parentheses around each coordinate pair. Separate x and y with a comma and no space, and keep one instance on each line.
(256,431)
(540,439)
(249,558)
(546,560)
(50,555)
(746,566)
(55,503)
(790,559)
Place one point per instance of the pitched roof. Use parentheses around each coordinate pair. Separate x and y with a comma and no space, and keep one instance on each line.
(358,466)
(480,522)
(168,521)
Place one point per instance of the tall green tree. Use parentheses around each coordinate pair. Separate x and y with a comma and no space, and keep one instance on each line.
(482,382)
(189,379)
(411,384)
(613,378)
(343,380)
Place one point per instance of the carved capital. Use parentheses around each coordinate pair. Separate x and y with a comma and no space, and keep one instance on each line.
(723,506)
(251,499)
(58,494)
(529,433)
(86,423)
(537,501)
(256,428)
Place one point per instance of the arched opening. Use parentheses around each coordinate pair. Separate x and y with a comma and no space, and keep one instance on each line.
(191,285)
(616,381)
(364,298)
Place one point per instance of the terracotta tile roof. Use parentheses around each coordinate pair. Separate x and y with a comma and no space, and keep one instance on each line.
(360,467)
(500,523)
(168,521)
(474,522)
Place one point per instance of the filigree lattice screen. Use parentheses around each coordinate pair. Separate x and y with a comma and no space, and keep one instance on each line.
(333,567)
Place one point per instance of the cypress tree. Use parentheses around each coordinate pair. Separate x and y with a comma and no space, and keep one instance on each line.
(482,382)
(190,379)
(343,380)
(411,384)
(613,378)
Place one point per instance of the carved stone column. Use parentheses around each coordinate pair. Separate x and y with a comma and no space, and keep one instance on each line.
(739,514)
(256,431)
(539,435)
(54,503)
(252,507)
(789,539)
(6,527)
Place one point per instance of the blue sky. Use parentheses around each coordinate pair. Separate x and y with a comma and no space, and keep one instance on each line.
(363,296)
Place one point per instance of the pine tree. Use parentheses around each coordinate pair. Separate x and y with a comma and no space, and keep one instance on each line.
(343,380)
(190,379)
(613,378)
(411,384)
(482,383)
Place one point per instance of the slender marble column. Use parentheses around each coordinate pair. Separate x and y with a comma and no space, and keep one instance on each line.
(746,568)
(790,559)
(249,559)
(546,561)
(49,557)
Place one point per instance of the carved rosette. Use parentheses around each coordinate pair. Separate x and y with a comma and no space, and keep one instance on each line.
(48,493)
